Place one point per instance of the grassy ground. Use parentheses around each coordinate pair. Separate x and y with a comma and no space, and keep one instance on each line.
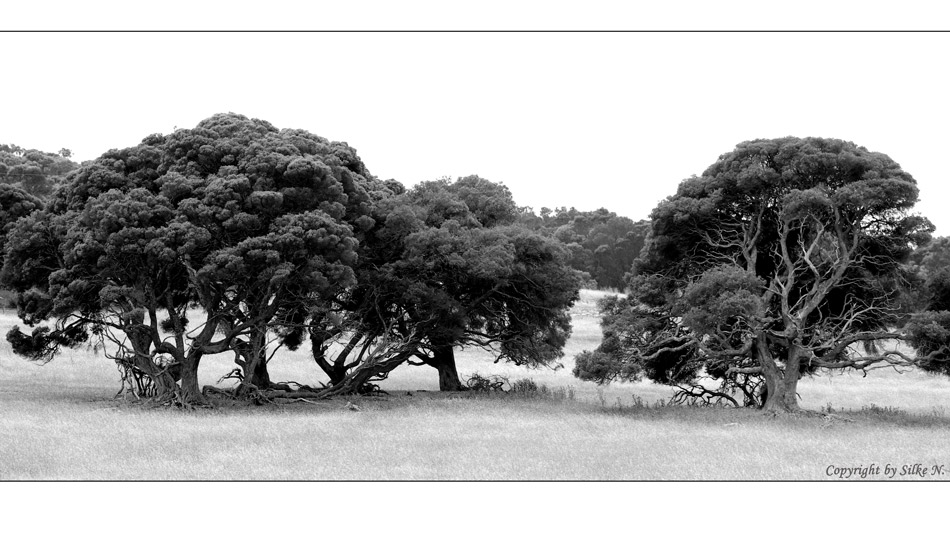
(58,421)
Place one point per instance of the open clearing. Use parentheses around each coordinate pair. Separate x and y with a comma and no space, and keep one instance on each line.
(58,421)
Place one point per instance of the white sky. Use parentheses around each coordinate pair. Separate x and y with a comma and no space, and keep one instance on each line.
(584,120)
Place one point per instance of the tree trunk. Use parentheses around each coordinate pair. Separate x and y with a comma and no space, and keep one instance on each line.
(443,360)
(781,386)
(190,392)
(364,373)
(164,382)
(261,377)
(781,392)
(251,357)
(336,373)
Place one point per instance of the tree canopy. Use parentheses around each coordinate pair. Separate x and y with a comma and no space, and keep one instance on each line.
(783,257)
(237,237)
(234,216)
(38,173)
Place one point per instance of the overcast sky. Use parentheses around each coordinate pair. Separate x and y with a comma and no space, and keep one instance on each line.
(584,120)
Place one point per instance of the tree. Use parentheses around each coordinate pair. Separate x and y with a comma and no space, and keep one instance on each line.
(445,268)
(292,202)
(615,243)
(783,258)
(37,172)
(247,222)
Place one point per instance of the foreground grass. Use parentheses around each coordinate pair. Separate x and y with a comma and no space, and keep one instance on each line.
(59,421)
(420,437)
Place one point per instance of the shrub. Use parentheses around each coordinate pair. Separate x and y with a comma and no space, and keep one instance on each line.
(525,387)
(478,383)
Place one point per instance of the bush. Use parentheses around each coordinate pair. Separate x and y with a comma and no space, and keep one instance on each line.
(525,387)
(528,388)
(478,383)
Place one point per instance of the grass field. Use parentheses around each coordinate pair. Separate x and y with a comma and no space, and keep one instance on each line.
(59,421)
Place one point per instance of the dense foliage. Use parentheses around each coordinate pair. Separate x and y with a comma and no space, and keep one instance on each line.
(235,217)
(15,203)
(601,243)
(930,265)
(446,267)
(238,237)
(785,256)
(38,173)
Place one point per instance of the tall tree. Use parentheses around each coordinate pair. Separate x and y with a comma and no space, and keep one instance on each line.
(784,257)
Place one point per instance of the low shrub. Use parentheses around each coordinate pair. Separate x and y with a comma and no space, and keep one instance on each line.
(526,387)
(488,384)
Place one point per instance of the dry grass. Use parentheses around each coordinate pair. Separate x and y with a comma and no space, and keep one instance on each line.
(58,421)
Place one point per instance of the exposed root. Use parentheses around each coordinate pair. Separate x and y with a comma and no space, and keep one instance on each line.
(285,391)
(134,382)
(209,390)
(178,399)
(288,386)
(293,394)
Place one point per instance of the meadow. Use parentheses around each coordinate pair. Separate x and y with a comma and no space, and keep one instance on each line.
(60,421)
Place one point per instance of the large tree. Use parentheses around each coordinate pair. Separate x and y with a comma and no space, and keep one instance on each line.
(784,257)
(446,268)
(235,217)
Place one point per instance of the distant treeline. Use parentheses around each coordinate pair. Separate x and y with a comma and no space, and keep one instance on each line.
(602,243)
(37,174)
